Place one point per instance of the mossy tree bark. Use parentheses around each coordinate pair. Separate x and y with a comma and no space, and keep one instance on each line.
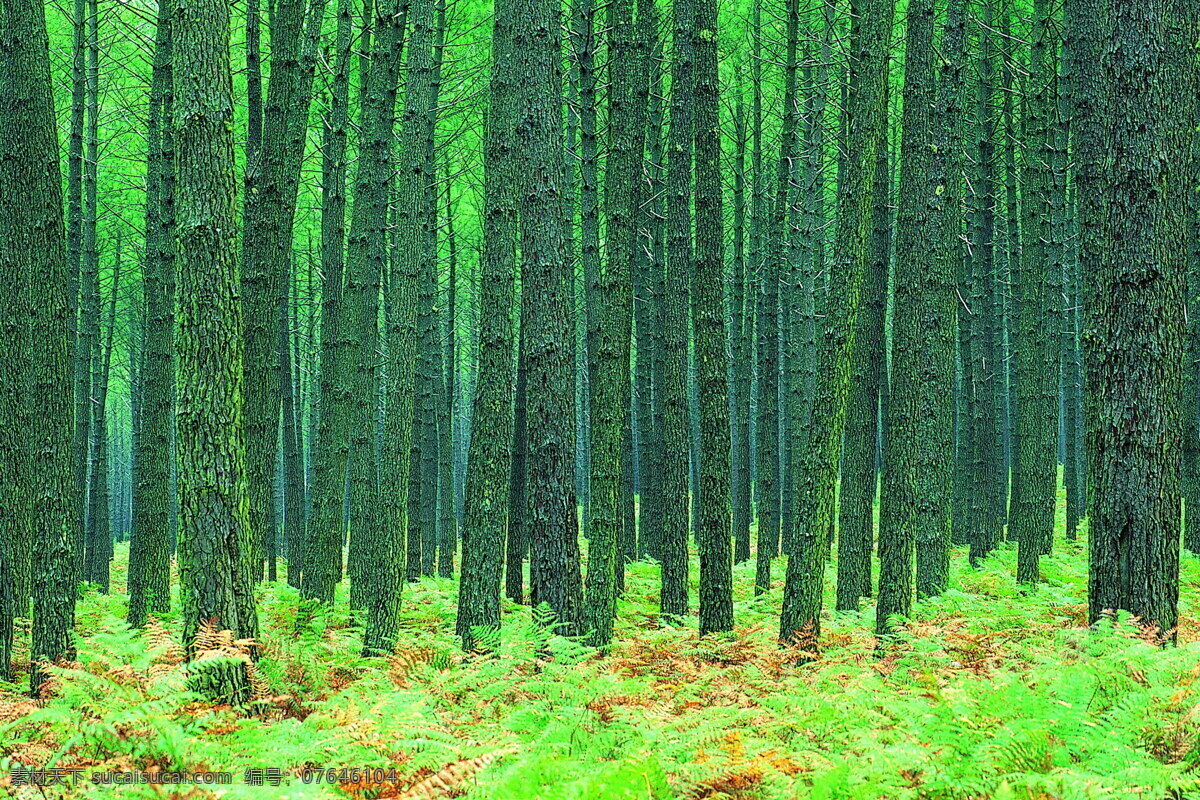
(376,512)
(1134,339)
(856,528)
(816,463)
(150,548)
(674,503)
(767,495)
(486,504)
(708,322)
(322,568)
(1038,335)
(546,317)
(214,527)
(35,245)
(920,322)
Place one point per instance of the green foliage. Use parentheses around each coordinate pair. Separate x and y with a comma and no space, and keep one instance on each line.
(987,692)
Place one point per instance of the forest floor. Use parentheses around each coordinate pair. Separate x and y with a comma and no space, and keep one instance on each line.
(991,693)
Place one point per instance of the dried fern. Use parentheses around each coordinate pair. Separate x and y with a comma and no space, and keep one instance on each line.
(451,779)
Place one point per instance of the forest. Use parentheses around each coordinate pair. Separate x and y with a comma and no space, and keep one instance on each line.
(600,399)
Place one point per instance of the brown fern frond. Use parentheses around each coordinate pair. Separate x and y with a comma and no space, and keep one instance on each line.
(447,781)
(158,636)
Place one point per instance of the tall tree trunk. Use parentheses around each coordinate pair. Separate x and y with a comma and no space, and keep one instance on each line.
(99,535)
(35,245)
(1134,342)
(376,512)
(674,500)
(554,557)
(767,494)
(815,465)
(272,182)
(652,260)
(214,526)
(75,167)
(583,44)
(150,549)
(327,532)
(708,320)
(915,502)
(856,528)
(486,508)
(1038,336)
(741,343)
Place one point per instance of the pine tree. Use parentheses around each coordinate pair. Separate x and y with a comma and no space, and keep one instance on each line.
(377,564)
(856,529)
(554,545)
(1038,336)
(767,496)
(75,290)
(266,247)
(149,551)
(1134,339)
(674,352)
(708,321)
(327,533)
(214,527)
(919,347)
(486,511)
(98,538)
(611,395)
(741,300)
(815,465)
(35,245)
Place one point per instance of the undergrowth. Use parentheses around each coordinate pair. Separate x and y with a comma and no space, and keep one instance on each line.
(989,693)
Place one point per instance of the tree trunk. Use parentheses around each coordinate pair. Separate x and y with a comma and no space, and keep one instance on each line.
(816,464)
(327,532)
(1134,342)
(214,527)
(150,549)
(554,557)
(486,508)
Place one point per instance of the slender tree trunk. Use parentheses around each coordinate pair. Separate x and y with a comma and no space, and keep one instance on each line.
(554,528)
(1038,336)
(708,320)
(80,342)
(486,503)
(651,254)
(815,465)
(150,549)
(322,568)
(856,529)
(767,494)
(741,344)
(271,188)
(583,43)
(99,542)
(376,511)
(675,473)
(910,496)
